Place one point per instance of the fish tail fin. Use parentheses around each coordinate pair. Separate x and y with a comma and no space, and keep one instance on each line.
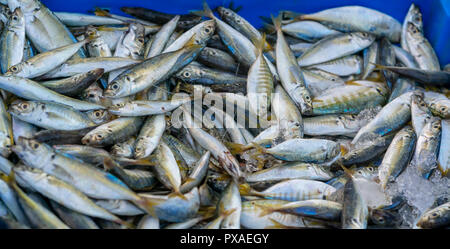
(101,12)
(245,189)
(206,12)
(265,210)
(261,44)
(236,148)
(227,213)
(177,193)
(126,224)
(269,28)
(344,150)
(378,66)
(276,22)
(207,212)
(276,225)
(9,179)
(109,164)
(348,172)
(147,205)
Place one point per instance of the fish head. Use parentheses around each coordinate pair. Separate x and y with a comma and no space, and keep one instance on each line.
(415,16)
(99,116)
(207,30)
(433,217)
(17,69)
(28,6)
(369,173)
(385,218)
(349,121)
(362,38)
(22,108)
(95,137)
(413,30)
(92,94)
(120,87)
(189,72)
(441,108)
(32,152)
(17,18)
(304,99)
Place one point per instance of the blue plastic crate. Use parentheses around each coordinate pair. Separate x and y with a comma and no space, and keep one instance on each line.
(436,13)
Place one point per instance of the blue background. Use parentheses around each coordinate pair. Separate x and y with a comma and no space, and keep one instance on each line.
(436,13)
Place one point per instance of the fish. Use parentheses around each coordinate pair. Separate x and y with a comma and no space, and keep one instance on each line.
(357,19)
(12,41)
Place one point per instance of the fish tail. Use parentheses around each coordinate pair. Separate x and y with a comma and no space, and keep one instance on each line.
(265,210)
(125,223)
(206,12)
(101,12)
(227,213)
(347,171)
(207,212)
(269,28)
(177,193)
(276,22)
(276,225)
(147,205)
(236,148)
(9,179)
(261,44)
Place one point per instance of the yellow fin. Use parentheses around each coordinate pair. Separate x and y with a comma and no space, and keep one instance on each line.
(177,194)
(276,225)
(206,12)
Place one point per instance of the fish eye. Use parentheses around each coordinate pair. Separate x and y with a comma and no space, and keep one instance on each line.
(435,214)
(207,30)
(91,95)
(443,108)
(35,145)
(115,86)
(370,169)
(436,127)
(128,78)
(97,114)
(15,18)
(381,220)
(226,13)
(99,136)
(238,20)
(307,97)
(141,40)
(14,69)
(187,74)
(24,105)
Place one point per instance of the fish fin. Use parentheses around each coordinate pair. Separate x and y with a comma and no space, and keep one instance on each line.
(269,28)
(206,12)
(266,19)
(101,12)
(261,44)
(126,224)
(178,194)
(109,164)
(223,177)
(236,148)
(276,22)
(245,189)
(348,172)
(207,212)
(265,210)
(9,179)
(192,43)
(343,150)
(378,66)
(317,100)
(352,83)
(147,205)
(276,225)
(227,213)
(189,179)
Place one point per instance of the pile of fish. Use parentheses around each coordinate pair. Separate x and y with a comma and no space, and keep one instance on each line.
(335,119)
